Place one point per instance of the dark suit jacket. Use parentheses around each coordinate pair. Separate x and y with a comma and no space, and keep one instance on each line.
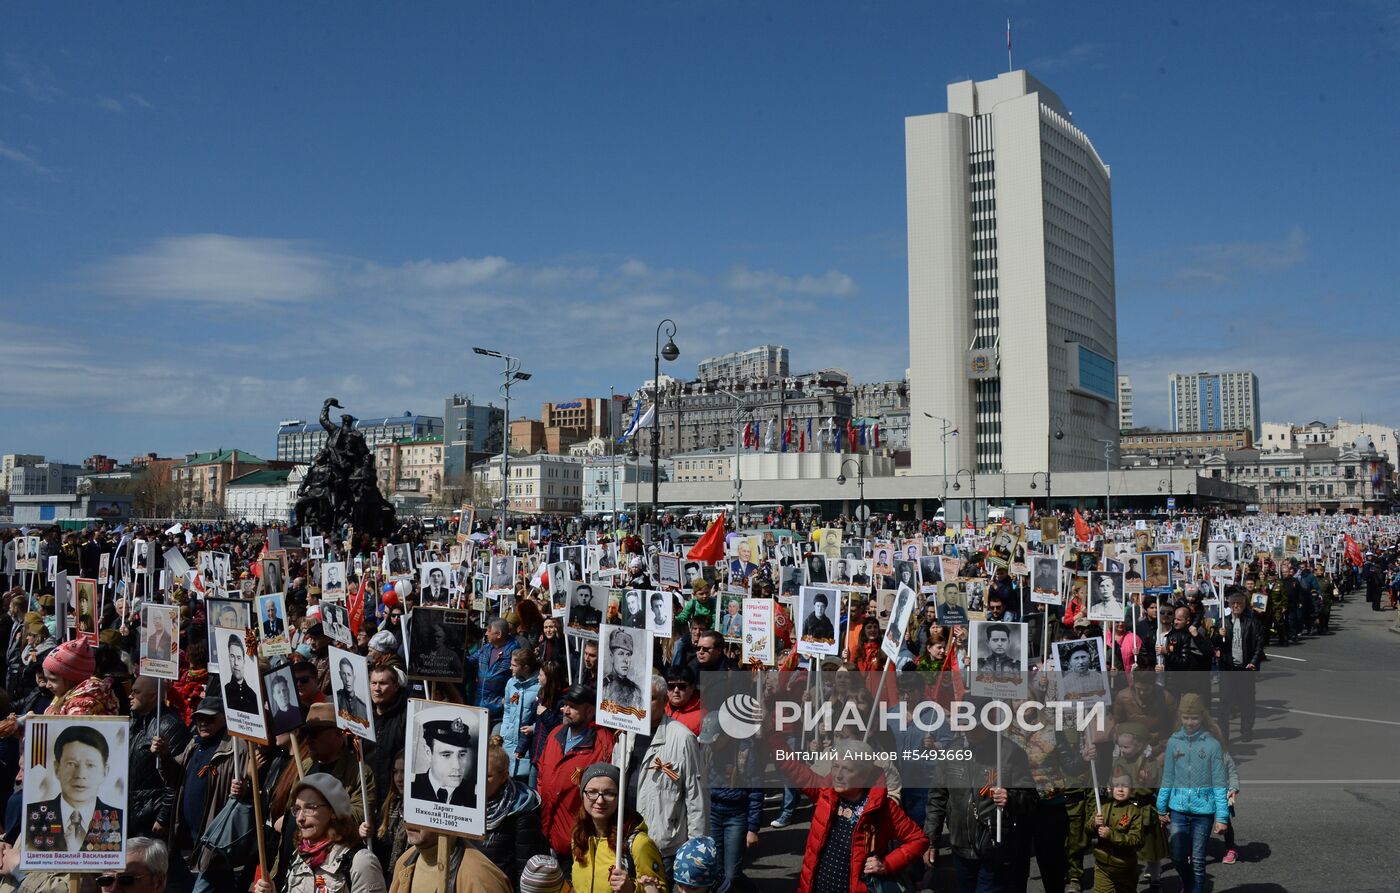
(464,795)
(238,696)
(46,831)
(273,627)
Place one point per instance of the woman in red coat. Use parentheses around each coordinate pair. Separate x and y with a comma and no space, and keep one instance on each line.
(857,830)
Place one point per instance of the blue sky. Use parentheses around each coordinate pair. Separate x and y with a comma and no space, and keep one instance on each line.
(215,215)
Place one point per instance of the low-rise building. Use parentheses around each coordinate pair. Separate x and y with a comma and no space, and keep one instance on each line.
(51,508)
(264,496)
(411,470)
(1353,477)
(615,483)
(44,479)
(202,478)
(538,484)
(1184,444)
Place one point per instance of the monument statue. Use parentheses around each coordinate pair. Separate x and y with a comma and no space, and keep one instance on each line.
(341,485)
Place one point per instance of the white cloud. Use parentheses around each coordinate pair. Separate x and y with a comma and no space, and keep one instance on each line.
(218,269)
(464,272)
(138,99)
(1223,262)
(34,81)
(23,159)
(107,103)
(832,282)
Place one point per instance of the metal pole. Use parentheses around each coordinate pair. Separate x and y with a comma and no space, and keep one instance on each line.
(672,353)
(864,512)
(505,459)
(612,456)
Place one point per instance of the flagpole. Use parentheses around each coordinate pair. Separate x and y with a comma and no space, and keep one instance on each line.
(1008,44)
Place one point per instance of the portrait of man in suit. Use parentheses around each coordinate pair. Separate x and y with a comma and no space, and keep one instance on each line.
(76,820)
(272,623)
(238,695)
(451,772)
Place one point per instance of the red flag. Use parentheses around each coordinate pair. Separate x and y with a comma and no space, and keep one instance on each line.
(1353,550)
(1081,528)
(802,440)
(875,434)
(357,605)
(709,547)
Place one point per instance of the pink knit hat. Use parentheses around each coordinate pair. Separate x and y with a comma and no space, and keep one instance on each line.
(72,660)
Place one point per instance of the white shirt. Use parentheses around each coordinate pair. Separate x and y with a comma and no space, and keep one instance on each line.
(84,817)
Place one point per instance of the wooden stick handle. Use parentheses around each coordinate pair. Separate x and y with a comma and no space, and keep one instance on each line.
(257,811)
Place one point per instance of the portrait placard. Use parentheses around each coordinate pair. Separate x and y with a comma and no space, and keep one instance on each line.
(760,644)
(624,674)
(241,688)
(445,768)
(817,606)
(437,640)
(159,642)
(229,613)
(273,638)
(332,580)
(900,615)
(998,656)
(350,692)
(284,713)
(76,782)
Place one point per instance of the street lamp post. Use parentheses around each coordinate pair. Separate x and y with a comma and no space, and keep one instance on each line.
(512,374)
(860,484)
(670,352)
(1107,479)
(946,431)
(739,412)
(957,485)
(1057,431)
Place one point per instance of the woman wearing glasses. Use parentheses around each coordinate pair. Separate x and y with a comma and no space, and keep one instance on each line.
(595,840)
(329,857)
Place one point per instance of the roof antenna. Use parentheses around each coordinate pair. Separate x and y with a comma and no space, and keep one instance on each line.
(1008,43)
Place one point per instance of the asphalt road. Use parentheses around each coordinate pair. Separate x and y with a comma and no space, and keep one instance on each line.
(1320,798)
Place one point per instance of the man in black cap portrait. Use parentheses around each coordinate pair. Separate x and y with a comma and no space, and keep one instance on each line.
(238,696)
(817,627)
(450,777)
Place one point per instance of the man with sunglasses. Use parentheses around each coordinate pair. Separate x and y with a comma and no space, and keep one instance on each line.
(147,868)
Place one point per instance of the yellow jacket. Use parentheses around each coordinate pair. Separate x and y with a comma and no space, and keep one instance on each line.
(593,877)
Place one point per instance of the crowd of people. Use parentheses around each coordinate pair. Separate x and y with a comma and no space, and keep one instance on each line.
(571,803)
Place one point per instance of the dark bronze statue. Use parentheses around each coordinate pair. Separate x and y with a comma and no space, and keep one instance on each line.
(341,485)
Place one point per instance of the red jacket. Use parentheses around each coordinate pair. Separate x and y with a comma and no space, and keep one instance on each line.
(559,775)
(690,714)
(882,830)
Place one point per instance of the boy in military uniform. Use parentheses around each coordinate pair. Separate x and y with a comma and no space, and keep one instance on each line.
(1118,832)
(1136,761)
(76,820)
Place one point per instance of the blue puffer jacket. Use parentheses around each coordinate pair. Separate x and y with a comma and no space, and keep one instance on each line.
(521,696)
(1193,776)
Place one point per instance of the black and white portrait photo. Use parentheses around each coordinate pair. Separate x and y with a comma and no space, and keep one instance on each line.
(900,613)
(1106,602)
(624,674)
(317,548)
(435,581)
(930,572)
(815,567)
(998,656)
(228,613)
(1081,667)
(818,608)
(660,605)
(140,557)
(906,573)
(332,579)
(398,559)
(350,692)
(335,622)
(558,588)
(436,643)
(1222,556)
(585,612)
(445,767)
(632,608)
(241,687)
(74,808)
(1045,579)
(284,713)
(501,573)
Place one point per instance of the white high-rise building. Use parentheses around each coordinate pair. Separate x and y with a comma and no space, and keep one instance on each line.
(1125,403)
(1013,331)
(1215,401)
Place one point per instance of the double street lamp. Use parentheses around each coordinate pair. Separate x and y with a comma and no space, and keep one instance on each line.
(860,484)
(946,430)
(512,374)
(670,352)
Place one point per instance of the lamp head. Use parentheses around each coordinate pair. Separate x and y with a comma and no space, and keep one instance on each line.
(841,479)
(1032,485)
(670,351)
(957,485)
(1059,435)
